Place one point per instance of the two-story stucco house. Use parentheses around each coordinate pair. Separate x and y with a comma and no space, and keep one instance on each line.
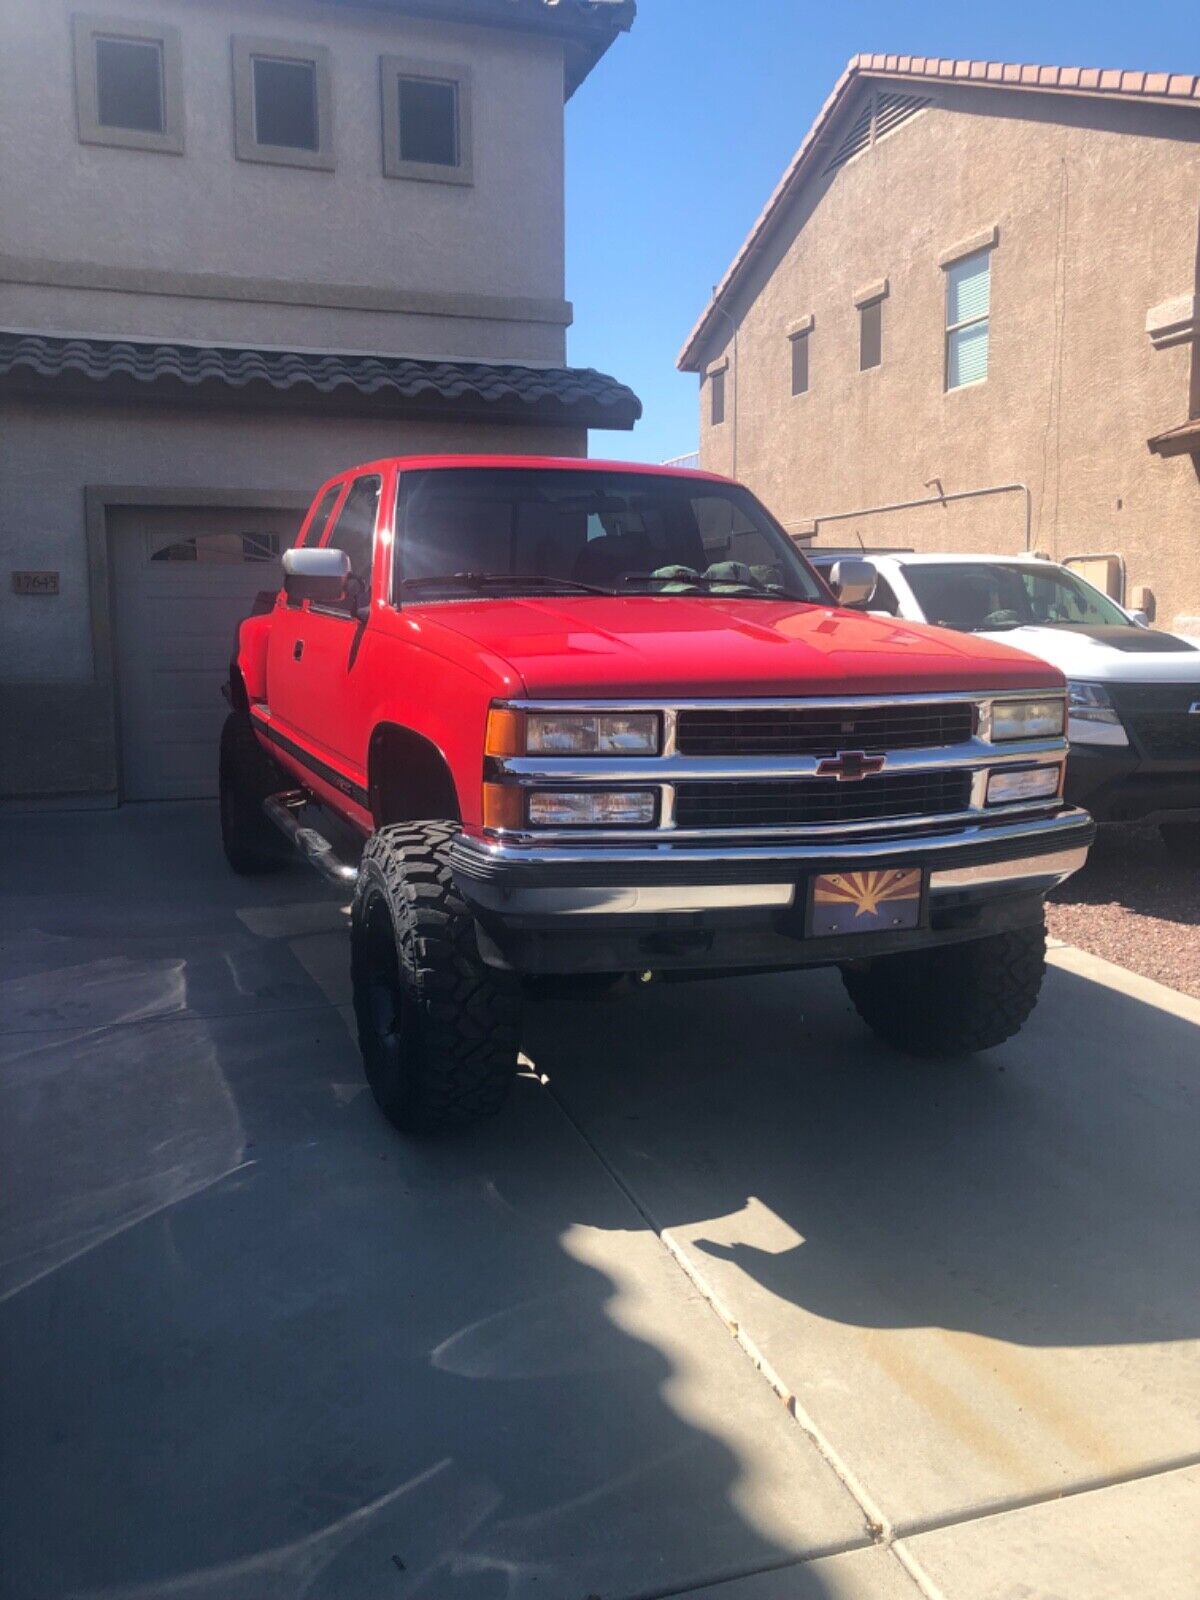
(975,280)
(244,244)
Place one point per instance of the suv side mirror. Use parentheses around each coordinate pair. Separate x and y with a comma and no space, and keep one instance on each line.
(853,582)
(1140,617)
(320,575)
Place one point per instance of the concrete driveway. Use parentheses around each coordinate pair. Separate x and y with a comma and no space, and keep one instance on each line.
(730,1301)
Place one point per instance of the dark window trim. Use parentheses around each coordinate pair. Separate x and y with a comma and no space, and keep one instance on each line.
(391,70)
(246,48)
(801,373)
(716,382)
(870,335)
(85,30)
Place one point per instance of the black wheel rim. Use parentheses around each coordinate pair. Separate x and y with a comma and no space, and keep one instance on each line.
(389,1012)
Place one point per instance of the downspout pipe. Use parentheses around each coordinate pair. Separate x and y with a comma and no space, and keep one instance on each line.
(929,500)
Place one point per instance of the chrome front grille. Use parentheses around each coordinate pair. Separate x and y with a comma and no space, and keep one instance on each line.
(823,730)
(765,768)
(811,802)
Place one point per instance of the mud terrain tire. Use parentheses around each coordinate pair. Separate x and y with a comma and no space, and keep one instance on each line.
(438,1029)
(247,775)
(953,999)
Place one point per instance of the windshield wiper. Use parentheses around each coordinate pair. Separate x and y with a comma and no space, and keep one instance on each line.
(483,580)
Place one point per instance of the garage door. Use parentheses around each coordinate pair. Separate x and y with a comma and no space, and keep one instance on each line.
(183,578)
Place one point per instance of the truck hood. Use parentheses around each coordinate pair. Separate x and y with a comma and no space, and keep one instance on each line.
(1109,654)
(648,645)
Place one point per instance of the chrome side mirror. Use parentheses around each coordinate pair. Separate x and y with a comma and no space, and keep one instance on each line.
(1140,617)
(853,582)
(318,575)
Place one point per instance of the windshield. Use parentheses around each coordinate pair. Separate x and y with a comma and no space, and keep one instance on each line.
(980,596)
(507,530)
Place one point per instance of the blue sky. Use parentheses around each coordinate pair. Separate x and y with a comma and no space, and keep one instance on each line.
(681,133)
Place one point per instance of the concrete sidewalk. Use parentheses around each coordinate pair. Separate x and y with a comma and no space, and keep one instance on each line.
(730,1301)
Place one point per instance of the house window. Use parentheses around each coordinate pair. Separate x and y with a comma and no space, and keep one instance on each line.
(968,302)
(716,385)
(426,120)
(870,335)
(282,103)
(128,84)
(221,549)
(800,363)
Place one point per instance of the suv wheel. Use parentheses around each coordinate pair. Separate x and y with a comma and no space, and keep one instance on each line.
(438,1029)
(955,998)
(1182,839)
(247,775)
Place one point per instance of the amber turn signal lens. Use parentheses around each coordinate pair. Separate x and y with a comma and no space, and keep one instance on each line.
(503,806)
(505,733)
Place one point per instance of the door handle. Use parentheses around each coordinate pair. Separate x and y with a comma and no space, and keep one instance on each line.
(297,649)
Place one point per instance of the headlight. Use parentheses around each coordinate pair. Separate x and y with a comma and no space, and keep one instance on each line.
(572,733)
(1027,719)
(608,735)
(1031,783)
(590,808)
(1092,717)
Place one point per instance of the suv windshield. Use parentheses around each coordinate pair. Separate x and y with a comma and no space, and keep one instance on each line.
(978,596)
(508,530)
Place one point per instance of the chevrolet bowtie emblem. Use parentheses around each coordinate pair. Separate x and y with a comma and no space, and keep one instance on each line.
(850,765)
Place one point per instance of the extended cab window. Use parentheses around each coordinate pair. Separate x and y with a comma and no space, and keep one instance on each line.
(476,530)
(354,530)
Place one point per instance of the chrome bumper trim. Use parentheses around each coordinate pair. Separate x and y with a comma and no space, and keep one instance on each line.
(634,901)
(492,857)
(1047,869)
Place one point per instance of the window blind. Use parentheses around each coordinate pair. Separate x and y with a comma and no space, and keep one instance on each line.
(967,355)
(968,288)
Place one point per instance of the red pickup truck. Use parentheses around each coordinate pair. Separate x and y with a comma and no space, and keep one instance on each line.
(562,719)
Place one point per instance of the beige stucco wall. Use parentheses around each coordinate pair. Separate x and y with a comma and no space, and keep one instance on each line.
(57,733)
(1096,210)
(205,212)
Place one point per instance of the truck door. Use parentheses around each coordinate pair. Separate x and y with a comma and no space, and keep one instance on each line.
(287,671)
(330,721)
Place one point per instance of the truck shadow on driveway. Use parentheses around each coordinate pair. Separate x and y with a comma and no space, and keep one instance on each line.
(1044,1193)
(256,1346)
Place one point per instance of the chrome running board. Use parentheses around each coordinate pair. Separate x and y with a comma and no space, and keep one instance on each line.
(285,811)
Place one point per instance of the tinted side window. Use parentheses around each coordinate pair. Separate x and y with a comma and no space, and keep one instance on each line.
(354,530)
(320,517)
(883,597)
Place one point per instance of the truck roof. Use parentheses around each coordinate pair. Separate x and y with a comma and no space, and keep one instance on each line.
(536,463)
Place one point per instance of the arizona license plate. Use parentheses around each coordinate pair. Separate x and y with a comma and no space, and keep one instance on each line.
(865,902)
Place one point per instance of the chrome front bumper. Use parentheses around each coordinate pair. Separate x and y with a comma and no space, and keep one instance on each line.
(512,881)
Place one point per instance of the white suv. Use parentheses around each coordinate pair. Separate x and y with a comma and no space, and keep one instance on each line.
(1134,692)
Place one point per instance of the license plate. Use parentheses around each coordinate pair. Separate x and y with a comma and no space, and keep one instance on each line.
(879,901)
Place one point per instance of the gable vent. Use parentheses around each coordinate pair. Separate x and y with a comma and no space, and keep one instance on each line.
(882,112)
(856,140)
